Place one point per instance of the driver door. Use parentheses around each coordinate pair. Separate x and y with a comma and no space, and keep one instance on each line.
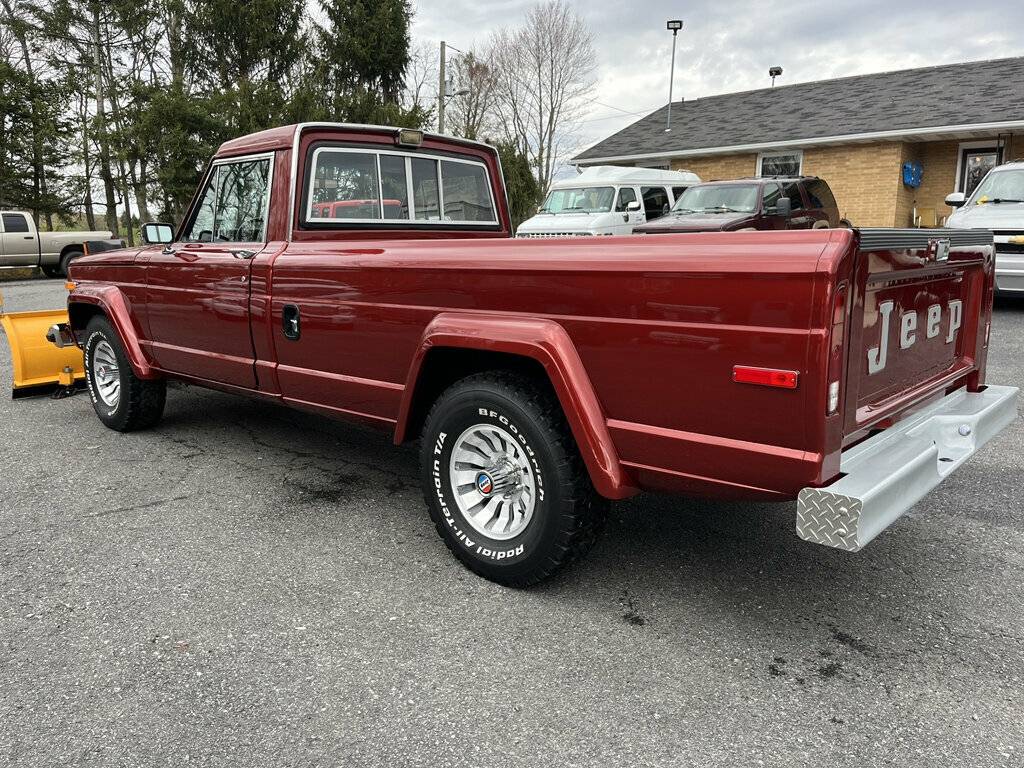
(198,288)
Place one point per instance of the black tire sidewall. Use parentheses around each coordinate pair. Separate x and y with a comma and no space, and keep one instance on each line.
(66,259)
(531,548)
(97,331)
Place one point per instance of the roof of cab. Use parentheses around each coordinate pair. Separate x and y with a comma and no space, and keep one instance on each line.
(284,136)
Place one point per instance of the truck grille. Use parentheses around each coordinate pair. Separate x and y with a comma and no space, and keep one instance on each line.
(553,234)
(1015,248)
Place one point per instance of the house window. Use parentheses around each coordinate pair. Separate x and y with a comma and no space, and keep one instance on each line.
(780,163)
(974,162)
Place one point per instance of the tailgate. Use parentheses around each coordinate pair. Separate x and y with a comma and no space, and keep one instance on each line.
(922,301)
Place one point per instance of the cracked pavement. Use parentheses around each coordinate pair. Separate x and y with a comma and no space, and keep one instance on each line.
(251,585)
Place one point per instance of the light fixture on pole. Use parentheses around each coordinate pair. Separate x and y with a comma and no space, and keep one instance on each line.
(774,72)
(673,26)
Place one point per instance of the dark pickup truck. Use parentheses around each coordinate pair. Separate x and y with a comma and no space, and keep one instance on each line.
(368,273)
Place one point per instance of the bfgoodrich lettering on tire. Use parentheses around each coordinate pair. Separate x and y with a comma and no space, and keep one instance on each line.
(504,481)
(123,401)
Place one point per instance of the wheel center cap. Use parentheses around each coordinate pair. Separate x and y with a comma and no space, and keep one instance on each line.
(484,483)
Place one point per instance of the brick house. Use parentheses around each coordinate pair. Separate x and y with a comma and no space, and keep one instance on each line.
(955,121)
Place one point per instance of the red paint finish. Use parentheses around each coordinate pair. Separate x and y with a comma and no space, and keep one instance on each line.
(646,341)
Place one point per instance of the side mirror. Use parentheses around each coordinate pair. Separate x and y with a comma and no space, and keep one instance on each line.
(633,205)
(783,207)
(155,233)
(956,200)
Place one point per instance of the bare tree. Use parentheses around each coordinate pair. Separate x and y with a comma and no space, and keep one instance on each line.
(471,114)
(545,76)
(421,76)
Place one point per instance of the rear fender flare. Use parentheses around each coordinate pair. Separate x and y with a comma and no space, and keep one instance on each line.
(546,342)
(113,304)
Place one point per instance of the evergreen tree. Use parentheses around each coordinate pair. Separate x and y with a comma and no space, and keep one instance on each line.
(520,183)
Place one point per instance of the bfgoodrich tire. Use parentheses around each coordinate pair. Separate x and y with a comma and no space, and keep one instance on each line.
(504,481)
(122,401)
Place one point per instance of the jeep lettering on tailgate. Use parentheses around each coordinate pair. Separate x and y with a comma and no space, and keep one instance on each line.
(908,324)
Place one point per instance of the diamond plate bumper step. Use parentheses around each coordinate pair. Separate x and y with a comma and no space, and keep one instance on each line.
(887,474)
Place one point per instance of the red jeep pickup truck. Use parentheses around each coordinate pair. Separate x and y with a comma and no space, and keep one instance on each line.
(368,273)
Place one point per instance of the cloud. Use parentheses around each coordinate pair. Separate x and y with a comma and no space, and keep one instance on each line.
(728,45)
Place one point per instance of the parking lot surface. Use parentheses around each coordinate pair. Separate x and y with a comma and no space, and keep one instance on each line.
(248,585)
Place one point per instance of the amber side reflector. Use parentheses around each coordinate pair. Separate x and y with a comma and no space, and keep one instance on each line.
(70,286)
(766,377)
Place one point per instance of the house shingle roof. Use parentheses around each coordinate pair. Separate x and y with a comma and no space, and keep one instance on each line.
(932,97)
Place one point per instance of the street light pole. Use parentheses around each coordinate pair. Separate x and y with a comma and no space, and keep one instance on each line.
(442,86)
(675,25)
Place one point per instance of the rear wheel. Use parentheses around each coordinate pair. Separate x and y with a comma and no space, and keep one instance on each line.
(51,270)
(122,401)
(66,259)
(504,481)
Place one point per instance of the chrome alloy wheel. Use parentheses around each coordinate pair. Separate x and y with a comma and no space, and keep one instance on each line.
(492,481)
(106,375)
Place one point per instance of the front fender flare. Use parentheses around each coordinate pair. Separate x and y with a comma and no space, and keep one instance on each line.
(113,303)
(546,342)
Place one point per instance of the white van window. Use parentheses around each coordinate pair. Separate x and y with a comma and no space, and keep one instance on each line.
(655,201)
(626,196)
(589,199)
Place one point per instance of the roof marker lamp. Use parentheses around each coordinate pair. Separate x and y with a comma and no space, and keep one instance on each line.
(408,137)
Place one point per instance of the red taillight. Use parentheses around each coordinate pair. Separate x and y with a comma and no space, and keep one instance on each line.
(766,377)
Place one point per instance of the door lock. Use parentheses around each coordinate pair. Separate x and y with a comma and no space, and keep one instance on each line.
(290,323)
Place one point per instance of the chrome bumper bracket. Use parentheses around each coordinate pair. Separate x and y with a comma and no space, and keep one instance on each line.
(887,474)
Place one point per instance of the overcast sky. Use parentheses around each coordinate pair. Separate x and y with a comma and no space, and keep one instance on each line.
(728,45)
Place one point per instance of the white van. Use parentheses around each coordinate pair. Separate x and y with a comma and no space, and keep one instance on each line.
(998,204)
(606,200)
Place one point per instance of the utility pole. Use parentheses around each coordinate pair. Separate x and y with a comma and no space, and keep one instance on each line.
(674,26)
(442,86)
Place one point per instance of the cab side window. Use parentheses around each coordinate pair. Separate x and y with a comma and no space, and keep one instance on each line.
(234,204)
(15,222)
(627,195)
(770,195)
(792,191)
(655,201)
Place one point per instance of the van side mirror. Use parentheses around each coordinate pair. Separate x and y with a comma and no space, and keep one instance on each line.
(633,205)
(783,207)
(956,200)
(156,233)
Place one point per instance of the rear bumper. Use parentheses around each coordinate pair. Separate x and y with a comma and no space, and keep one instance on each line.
(887,474)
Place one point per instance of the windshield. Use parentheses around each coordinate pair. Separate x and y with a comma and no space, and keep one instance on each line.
(1001,186)
(715,198)
(588,199)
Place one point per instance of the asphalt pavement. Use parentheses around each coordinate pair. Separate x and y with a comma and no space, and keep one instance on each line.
(248,585)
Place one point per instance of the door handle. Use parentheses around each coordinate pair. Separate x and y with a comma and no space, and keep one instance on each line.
(242,254)
(290,323)
(28,237)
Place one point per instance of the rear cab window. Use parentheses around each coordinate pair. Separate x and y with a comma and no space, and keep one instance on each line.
(348,186)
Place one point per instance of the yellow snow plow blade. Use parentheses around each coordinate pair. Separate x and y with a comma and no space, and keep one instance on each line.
(39,366)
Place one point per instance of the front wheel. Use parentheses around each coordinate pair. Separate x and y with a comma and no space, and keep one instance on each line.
(504,482)
(123,401)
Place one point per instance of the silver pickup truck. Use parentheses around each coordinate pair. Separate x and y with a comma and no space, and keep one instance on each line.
(22,245)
